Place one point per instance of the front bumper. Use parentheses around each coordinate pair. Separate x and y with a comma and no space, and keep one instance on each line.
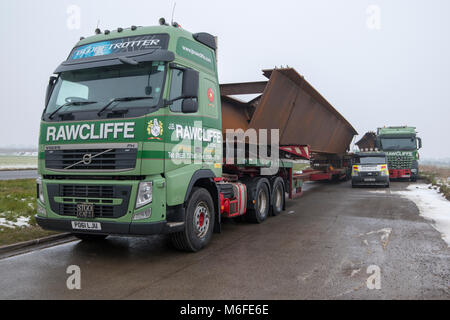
(399,173)
(378,180)
(109,228)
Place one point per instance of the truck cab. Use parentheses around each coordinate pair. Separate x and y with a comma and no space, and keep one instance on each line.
(401,145)
(370,168)
(131,130)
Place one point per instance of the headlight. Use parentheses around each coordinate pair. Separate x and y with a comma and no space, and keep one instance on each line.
(384,170)
(355,171)
(145,194)
(40,190)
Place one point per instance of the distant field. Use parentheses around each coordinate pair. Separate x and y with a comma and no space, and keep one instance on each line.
(9,162)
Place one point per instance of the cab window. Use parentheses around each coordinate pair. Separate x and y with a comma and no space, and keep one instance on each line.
(175,89)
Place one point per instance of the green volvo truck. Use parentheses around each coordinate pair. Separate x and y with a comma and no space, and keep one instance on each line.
(401,145)
(131,141)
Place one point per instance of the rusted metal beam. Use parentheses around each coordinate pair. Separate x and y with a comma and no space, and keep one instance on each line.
(229,89)
(288,103)
(367,141)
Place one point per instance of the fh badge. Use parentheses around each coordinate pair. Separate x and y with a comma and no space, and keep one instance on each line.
(155,129)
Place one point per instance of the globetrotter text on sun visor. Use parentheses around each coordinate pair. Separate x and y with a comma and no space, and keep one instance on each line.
(129,44)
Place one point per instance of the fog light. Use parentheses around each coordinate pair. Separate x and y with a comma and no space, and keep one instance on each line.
(143,215)
(41,211)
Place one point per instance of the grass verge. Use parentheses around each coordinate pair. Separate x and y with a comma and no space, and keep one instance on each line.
(17,210)
(438,177)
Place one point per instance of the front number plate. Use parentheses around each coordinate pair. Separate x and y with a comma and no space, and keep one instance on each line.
(85,225)
(369,179)
(85,210)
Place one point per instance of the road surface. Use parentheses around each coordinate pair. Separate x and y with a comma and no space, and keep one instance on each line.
(321,247)
(18,174)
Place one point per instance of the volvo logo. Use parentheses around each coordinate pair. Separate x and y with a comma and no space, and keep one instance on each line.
(87,159)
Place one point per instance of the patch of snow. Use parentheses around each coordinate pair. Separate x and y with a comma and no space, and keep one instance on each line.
(432,206)
(21,222)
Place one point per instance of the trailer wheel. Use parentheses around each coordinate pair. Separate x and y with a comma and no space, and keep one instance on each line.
(90,237)
(198,224)
(278,196)
(260,209)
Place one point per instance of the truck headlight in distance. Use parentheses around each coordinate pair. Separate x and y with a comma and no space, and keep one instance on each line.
(145,194)
(40,190)
(384,170)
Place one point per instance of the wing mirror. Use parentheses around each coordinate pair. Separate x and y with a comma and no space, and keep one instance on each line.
(190,83)
(189,90)
(189,106)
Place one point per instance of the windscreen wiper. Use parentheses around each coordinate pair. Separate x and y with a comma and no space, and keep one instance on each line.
(121,99)
(72,103)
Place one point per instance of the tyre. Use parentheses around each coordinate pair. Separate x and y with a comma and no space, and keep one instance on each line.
(90,237)
(198,222)
(259,210)
(278,196)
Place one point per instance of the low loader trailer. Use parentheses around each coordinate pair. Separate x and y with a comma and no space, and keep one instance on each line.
(132,139)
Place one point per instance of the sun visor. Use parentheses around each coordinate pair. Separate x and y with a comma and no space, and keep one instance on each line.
(107,52)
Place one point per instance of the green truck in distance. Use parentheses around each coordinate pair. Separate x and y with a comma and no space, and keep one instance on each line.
(401,145)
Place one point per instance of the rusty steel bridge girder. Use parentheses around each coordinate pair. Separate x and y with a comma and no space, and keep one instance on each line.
(288,103)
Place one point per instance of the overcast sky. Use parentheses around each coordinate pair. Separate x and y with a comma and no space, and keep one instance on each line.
(377,62)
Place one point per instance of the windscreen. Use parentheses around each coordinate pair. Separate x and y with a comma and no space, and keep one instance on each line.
(100,85)
(398,143)
(370,160)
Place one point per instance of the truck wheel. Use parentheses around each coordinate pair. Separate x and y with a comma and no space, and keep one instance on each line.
(90,237)
(198,223)
(260,209)
(278,196)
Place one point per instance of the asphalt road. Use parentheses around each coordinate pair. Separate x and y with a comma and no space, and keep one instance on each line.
(320,248)
(18,174)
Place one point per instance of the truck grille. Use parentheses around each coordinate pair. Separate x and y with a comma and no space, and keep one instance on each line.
(91,159)
(102,196)
(399,162)
(87,191)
